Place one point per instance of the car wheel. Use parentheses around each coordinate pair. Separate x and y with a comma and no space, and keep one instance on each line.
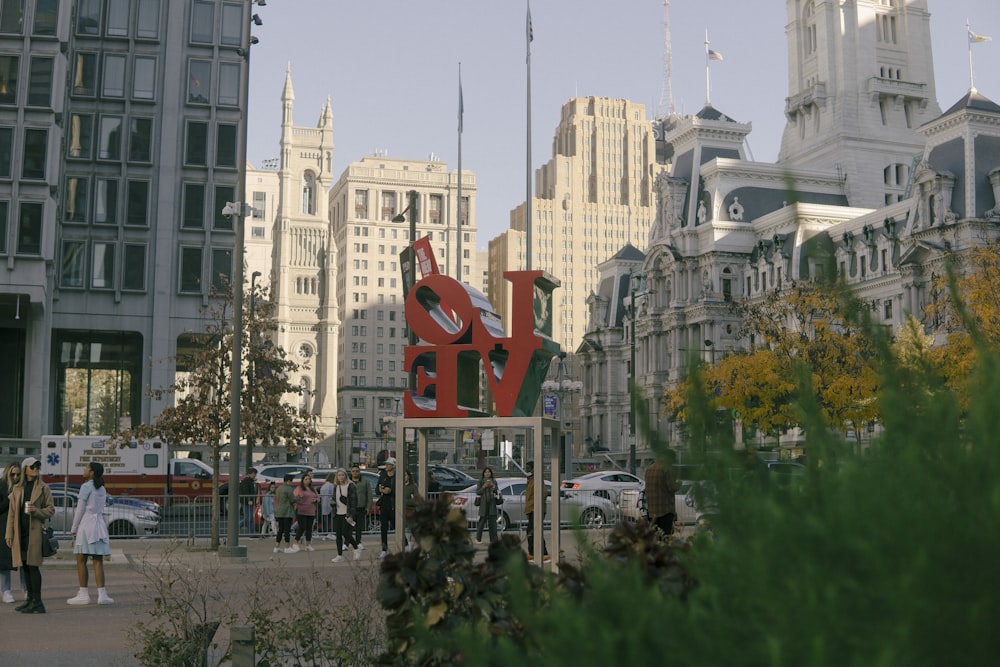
(121,528)
(503,522)
(592,517)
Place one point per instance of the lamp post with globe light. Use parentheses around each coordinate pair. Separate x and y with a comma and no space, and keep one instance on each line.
(562,386)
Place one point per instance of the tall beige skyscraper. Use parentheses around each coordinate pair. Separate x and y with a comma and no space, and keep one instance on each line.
(371,376)
(591,198)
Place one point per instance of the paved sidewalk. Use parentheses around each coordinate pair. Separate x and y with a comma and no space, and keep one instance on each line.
(96,635)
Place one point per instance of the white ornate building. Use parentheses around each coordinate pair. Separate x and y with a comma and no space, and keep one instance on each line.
(869,171)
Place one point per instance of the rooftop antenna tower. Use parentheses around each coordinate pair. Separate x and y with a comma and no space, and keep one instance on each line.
(666,105)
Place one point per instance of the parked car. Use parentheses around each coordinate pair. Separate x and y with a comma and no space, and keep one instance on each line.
(450,479)
(632,502)
(124,516)
(605,483)
(275,472)
(588,510)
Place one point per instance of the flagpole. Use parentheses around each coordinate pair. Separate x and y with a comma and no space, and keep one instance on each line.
(708,69)
(968,36)
(527,197)
(458,225)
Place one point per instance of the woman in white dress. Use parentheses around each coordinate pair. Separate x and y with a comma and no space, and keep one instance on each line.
(91,534)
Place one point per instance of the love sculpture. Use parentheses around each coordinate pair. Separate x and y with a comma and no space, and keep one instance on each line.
(459,334)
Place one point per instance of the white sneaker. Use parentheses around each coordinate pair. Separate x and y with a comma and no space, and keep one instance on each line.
(357,556)
(383,554)
(360,547)
(7,597)
(292,549)
(279,550)
(103,598)
(82,597)
(309,547)
(338,559)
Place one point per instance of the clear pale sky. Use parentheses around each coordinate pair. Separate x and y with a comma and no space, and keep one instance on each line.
(390,68)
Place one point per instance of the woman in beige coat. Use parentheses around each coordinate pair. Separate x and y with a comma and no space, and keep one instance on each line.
(30,507)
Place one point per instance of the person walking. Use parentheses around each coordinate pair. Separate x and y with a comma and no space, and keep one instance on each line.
(387,502)
(248,498)
(9,479)
(305,512)
(659,492)
(411,494)
(326,505)
(284,511)
(344,505)
(488,499)
(267,522)
(30,507)
(529,511)
(90,534)
(364,493)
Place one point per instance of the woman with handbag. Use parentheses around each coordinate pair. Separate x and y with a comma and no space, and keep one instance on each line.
(344,503)
(30,507)
(90,534)
(487,499)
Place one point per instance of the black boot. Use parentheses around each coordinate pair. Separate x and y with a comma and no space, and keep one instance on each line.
(35,606)
(24,605)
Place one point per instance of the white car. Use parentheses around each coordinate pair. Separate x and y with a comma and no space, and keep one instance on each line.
(275,472)
(588,510)
(605,483)
(123,515)
(632,503)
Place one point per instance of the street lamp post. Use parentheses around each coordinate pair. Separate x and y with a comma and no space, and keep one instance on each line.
(632,385)
(253,361)
(238,212)
(562,386)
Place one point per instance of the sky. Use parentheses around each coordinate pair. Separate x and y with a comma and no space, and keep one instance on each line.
(391,71)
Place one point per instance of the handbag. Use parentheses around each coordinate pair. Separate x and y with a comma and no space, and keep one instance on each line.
(498,499)
(50,545)
(478,501)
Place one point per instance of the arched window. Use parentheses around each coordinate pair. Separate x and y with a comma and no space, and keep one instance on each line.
(308,194)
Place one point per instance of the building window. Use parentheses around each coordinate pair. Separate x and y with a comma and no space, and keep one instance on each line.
(85,75)
(140,144)
(88,17)
(203,22)
(388,205)
(229,84)
(147,22)
(222,268)
(73,263)
(887,309)
(6,150)
(138,204)
(36,144)
(223,194)
(81,136)
(77,191)
(134,267)
(232,24)
(194,206)
(106,201)
(40,83)
(259,204)
(143,78)
(225,145)
(117,18)
(8,79)
(199,81)
(464,212)
(434,206)
(46,17)
(109,138)
(361,204)
(103,266)
(113,81)
(4,206)
(11,16)
(29,229)
(190,270)
(308,193)
(257,232)
(195,149)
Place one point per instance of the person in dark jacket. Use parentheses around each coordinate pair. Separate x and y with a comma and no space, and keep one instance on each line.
(248,499)
(364,493)
(488,498)
(11,476)
(387,502)
(345,502)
